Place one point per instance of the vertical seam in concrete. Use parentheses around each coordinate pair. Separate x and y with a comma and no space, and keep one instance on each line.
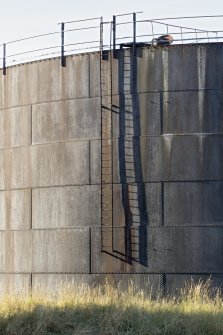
(161,113)
(89,77)
(201,65)
(162,203)
(31,208)
(31,125)
(89,161)
(165,94)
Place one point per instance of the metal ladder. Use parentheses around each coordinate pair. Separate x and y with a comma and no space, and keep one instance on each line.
(106,148)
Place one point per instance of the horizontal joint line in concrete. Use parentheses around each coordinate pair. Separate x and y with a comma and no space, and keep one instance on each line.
(49,186)
(165,135)
(27,63)
(116,273)
(49,229)
(50,101)
(168,181)
(87,139)
(115,183)
(115,94)
(109,228)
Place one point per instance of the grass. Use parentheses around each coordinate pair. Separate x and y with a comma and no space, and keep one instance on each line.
(105,310)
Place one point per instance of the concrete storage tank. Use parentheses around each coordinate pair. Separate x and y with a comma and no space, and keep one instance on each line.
(112,167)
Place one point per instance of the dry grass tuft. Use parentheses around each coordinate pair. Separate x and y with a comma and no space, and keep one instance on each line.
(106,310)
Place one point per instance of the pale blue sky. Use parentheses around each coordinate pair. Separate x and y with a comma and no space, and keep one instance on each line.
(24,17)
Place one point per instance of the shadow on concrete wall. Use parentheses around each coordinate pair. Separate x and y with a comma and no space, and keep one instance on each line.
(130,164)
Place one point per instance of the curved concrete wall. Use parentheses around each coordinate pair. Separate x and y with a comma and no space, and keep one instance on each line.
(167,169)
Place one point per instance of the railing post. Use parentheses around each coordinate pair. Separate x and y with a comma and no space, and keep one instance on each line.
(101,33)
(134,34)
(63,59)
(4,59)
(114,35)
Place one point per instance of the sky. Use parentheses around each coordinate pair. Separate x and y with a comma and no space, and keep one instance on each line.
(22,18)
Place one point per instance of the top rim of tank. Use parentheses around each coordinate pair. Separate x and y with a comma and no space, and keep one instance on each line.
(152,47)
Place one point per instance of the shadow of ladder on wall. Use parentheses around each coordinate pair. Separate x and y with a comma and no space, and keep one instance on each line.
(129,177)
(131,188)
(106,151)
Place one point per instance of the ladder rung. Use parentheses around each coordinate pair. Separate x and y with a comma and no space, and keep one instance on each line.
(108,162)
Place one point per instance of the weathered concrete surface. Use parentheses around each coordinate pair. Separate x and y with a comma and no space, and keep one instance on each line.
(150,198)
(193,203)
(60,164)
(183,112)
(95,162)
(66,120)
(185,249)
(15,209)
(145,112)
(173,68)
(15,130)
(61,250)
(149,71)
(16,251)
(184,203)
(64,207)
(193,112)
(46,81)
(167,149)
(162,249)
(70,163)
(94,74)
(162,158)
